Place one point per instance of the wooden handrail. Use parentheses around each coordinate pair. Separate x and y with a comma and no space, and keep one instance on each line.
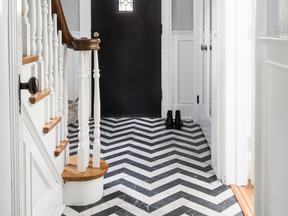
(83,44)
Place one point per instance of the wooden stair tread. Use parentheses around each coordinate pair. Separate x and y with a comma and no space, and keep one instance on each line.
(29,59)
(61,147)
(39,96)
(53,122)
(242,201)
(70,171)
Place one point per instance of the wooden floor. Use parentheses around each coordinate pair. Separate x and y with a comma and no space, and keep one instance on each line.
(245,197)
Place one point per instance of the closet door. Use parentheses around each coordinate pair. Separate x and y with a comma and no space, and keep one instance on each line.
(204,96)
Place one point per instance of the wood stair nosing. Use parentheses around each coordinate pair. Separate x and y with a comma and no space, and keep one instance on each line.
(53,122)
(29,59)
(39,96)
(70,171)
(61,147)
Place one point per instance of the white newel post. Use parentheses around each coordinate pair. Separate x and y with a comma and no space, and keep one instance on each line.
(32,20)
(45,56)
(39,45)
(87,97)
(97,113)
(51,60)
(60,90)
(25,29)
(82,151)
(56,80)
(65,105)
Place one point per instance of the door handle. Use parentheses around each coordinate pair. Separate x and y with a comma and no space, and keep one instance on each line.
(203,47)
(32,86)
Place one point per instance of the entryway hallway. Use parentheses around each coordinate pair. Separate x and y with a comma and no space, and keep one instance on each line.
(154,171)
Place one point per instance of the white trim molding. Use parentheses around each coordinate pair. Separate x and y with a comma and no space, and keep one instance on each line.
(166,56)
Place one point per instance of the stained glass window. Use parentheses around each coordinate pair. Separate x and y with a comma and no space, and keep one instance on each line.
(125,5)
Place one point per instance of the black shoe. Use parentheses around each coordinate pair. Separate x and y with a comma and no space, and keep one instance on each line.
(178,122)
(169,120)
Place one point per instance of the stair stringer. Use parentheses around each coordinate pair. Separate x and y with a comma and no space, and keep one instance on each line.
(36,114)
(43,184)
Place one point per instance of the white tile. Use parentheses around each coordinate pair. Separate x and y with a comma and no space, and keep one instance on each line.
(232,210)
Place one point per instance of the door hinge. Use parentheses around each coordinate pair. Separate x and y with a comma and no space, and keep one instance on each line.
(161,30)
(197,99)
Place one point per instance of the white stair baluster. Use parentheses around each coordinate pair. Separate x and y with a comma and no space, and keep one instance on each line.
(60,89)
(32,20)
(97,112)
(56,81)
(50,64)
(65,86)
(87,97)
(45,56)
(65,105)
(25,29)
(39,45)
(81,117)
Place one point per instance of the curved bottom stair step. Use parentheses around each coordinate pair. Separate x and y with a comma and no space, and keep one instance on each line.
(70,171)
(83,188)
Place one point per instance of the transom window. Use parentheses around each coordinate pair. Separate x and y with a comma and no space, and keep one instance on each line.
(125,5)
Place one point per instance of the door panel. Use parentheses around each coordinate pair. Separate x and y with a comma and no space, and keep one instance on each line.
(204,76)
(271,127)
(130,57)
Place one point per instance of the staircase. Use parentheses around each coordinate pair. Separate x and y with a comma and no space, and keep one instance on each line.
(66,180)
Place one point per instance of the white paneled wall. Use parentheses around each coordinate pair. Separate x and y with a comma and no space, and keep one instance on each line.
(183,74)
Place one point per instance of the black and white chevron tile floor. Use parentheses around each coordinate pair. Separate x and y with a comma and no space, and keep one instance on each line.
(154,171)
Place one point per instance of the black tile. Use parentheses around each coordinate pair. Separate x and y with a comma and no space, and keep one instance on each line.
(179,211)
(124,213)
(79,208)
(239,214)
(195,213)
(139,204)
(169,199)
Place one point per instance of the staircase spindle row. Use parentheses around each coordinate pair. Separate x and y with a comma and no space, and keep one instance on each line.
(42,36)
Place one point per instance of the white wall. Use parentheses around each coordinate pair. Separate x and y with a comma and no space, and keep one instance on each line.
(5,168)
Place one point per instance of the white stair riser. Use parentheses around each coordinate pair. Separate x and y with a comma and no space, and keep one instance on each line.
(83,193)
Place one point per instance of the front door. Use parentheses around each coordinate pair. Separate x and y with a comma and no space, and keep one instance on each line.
(130,56)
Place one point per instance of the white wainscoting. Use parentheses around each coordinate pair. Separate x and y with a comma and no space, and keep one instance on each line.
(43,195)
(183,73)
(271,127)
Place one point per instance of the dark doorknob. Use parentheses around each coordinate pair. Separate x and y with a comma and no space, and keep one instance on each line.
(32,85)
(203,47)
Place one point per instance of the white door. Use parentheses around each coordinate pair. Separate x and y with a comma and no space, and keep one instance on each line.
(204,97)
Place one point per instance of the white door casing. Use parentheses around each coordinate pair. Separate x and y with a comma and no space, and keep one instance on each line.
(5,128)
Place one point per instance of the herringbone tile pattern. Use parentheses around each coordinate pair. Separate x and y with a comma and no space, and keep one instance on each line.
(154,171)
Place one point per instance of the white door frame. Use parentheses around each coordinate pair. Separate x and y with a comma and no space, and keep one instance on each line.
(16,141)
(166,64)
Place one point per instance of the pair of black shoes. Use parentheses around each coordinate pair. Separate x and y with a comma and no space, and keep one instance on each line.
(170,123)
